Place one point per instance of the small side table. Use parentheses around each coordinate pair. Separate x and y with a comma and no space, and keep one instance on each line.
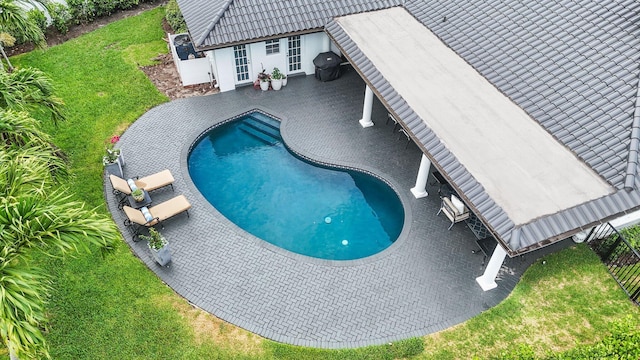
(138,204)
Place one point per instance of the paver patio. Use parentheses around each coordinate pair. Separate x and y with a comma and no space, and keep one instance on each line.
(423,283)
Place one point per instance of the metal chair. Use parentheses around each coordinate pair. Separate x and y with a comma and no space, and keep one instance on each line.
(454,210)
(395,122)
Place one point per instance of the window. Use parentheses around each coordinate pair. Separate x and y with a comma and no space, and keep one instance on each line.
(273,46)
(294,56)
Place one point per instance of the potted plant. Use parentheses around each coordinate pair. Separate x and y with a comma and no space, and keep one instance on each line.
(284,80)
(113,160)
(264,79)
(137,194)
(159,246)
(276,79)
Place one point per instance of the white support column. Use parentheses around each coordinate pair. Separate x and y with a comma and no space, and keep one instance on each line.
(366,108)
(420,190)
(488,280)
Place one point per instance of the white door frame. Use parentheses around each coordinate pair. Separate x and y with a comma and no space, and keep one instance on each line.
(242,63)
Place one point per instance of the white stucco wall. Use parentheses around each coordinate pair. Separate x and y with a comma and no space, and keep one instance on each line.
(222,61)
(260,59)
(224,68)
(192,71)
(314,44)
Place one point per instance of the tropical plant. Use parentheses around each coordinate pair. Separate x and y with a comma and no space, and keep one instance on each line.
(15,22)
(38,17)
(36,215)
(174,17)
(263,76)
(60,17)
(276,74)
(30,89)
(155,240)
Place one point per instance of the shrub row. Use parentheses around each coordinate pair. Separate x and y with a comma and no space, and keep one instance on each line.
(79,11)
(174,17)
(623,342)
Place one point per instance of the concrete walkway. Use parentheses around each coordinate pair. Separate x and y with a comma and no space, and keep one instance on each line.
(423,283)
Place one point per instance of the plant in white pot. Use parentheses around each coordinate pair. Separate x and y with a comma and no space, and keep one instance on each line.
(284,80)
(264,80)
(159,246)
(276,79)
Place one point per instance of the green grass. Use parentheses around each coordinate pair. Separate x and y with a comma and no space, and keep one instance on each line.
(98,78)
(116,308)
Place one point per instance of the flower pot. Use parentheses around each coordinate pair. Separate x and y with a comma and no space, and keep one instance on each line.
(138,198)
(284,82)
(114,168)
(276,84)
(162,256)
(264,85)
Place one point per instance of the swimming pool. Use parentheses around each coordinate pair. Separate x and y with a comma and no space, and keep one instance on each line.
(245,171)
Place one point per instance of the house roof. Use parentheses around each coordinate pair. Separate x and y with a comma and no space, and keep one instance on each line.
(219,23)
(604,133)
(571,65)
(499,144)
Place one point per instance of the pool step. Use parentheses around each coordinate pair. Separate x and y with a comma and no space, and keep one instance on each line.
(259,134)
(266,132)
(264,119)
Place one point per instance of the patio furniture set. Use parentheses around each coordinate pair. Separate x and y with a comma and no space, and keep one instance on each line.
(138,212)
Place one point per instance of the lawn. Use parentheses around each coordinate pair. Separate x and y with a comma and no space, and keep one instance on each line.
(114,307)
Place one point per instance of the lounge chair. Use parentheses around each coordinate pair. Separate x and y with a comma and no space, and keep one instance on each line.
(136,219)
(149,183)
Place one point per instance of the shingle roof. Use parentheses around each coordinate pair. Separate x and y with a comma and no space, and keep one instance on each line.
(219,23)
(572,65)
(577,75)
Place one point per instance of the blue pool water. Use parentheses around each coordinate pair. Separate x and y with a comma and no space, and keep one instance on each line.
(243,169)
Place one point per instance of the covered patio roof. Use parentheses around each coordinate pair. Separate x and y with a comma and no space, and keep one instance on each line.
(508,168)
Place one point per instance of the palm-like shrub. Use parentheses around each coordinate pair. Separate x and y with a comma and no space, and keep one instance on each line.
(30,89)
(36,214)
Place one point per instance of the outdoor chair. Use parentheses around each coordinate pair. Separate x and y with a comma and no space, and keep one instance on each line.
(454,209)
(395,122)
(149,183)
(406,135)
(137,219)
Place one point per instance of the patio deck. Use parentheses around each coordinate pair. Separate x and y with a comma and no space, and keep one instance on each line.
(424,283)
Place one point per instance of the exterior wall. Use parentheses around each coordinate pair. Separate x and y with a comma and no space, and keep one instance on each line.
(260,59)
(222,61)
(313,45)
(192,71)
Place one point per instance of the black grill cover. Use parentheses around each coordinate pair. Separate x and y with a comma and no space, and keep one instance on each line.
(327,66)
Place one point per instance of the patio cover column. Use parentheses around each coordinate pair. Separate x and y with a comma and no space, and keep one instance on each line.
(366,109)
(488,280)
(420,190)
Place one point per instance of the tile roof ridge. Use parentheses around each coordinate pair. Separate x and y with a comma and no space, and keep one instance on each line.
(214,22)
(634,146)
